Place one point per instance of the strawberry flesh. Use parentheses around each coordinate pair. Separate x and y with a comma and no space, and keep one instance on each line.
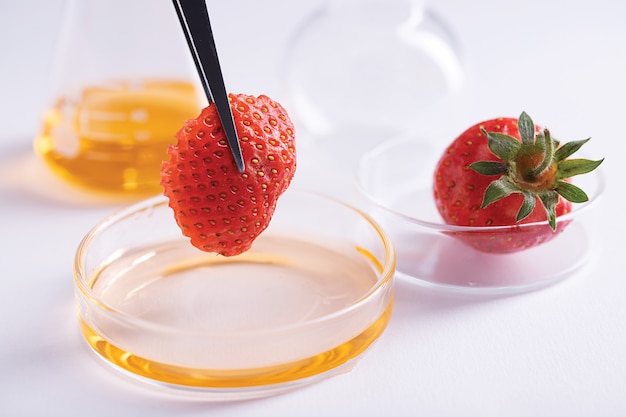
(219,208)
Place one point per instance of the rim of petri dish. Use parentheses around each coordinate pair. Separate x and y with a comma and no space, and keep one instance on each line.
(385,275)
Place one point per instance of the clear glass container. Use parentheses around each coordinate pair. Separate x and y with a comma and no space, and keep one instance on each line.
(122,85)
(396,177)
(313,293)
(370,67)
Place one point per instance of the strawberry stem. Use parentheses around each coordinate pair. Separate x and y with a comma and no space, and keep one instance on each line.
(518,174)
(548,154)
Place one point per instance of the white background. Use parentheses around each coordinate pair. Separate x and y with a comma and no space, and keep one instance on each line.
(557,351)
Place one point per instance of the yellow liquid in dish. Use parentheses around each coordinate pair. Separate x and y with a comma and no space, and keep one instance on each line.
(113,138)
(239,378)
(250,309)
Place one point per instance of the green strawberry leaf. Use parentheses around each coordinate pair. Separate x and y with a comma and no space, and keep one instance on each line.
(571,167)
(490,167)
(498,189)
(569,149)
(526,128)
(549,199)
(503,146)
(571,192)
(528,205)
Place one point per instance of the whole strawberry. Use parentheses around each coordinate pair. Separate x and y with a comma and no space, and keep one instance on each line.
(219,208)
(506,171)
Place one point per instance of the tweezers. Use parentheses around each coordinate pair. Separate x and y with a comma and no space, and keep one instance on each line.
(194,19)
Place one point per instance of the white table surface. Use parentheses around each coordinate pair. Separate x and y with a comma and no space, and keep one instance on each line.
(557,351)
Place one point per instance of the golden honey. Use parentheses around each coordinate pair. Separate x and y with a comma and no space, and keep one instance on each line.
(113,137)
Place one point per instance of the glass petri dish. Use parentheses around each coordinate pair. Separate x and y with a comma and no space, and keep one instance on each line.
(396,179)
(313,293)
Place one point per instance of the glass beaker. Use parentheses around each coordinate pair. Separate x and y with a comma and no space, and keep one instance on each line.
(370,67)
(123,84)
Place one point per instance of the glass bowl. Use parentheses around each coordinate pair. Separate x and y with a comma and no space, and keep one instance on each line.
(349,54)
(396,178)
(313,293)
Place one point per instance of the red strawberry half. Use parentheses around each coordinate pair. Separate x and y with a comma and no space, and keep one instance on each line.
(219,208)
(507,172)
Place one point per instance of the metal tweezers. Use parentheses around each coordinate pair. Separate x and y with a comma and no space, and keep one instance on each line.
(194,19)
